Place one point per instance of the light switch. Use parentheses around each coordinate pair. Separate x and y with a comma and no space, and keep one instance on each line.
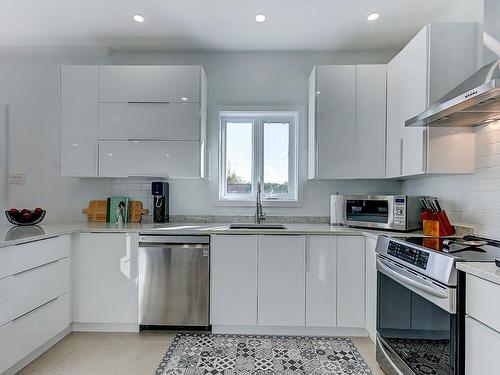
(17,178)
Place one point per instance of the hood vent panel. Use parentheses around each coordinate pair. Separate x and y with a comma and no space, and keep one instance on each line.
(476,101)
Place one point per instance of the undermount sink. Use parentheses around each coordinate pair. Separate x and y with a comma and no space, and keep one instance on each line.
(256,226)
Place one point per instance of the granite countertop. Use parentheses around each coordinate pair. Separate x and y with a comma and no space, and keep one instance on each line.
(12,235)
(485,270)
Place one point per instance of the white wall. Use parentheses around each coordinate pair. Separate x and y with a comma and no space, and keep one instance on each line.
(30,86)
(254,80)
(31,90)
(472,200)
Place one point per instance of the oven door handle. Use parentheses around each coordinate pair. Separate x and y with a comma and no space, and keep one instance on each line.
(388,358)
(409,280)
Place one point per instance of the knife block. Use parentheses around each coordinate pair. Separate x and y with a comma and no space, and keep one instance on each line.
(436,224)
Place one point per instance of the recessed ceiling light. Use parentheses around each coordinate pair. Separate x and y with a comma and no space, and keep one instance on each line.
(138,18)
(75,145)
(260,18)
(373,16)
(110,154)
(184,99)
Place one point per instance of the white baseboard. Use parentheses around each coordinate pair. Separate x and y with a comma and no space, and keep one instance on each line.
(37,352)
(105,327)
(290,331)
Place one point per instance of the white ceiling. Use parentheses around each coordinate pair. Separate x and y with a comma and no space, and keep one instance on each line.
(214,24)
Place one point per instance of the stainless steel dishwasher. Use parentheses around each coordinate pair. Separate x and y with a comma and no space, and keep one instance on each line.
(174,281)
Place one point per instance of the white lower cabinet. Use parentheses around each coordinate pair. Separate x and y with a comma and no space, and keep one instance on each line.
(35,302)
(281,281)
(105,279)
(233,273)
(371,287)
(482,346)
(321,281)
(351,281)
(288,281)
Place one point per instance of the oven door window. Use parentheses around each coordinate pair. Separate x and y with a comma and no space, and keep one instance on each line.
(419,332)
(371,211)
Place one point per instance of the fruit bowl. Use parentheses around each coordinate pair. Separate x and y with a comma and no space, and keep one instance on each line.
(25,216)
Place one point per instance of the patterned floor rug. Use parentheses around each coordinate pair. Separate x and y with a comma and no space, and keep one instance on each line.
(198,354)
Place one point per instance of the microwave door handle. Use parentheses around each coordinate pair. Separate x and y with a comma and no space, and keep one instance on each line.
(396,274)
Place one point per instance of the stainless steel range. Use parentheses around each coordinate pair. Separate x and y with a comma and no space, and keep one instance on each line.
(421,302)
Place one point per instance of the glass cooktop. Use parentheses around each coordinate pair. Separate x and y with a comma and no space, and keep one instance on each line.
(468,248)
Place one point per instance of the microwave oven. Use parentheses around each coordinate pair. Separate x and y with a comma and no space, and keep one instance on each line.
(391,212)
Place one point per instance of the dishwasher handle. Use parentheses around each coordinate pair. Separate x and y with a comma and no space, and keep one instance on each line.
(156,239)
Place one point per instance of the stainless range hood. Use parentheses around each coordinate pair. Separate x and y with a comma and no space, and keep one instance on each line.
(476,101)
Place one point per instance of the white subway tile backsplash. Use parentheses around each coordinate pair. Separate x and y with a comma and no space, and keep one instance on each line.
(474,199)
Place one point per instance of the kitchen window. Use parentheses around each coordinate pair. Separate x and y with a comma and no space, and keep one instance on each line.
(258,147)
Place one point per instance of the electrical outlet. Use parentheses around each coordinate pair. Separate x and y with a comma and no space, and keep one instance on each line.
(17,178)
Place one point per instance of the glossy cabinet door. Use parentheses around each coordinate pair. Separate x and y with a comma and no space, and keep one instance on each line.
(127,83)
(281,280)
(105,278)
(321,281)
(351,281)
(312,161)
(335,121)
(149,158)
(79,120)
(482,345)
(371,287)
(233,275)
(370,126)
(149,121)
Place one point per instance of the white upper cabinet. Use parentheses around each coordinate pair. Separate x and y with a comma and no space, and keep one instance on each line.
(172,121)
(133,103)
(149,83)
(79,120)
(346,130)
(437,59)
(335,120)
(175,159)
(370,121)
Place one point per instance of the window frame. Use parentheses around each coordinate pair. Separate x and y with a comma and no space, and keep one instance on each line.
(258,119)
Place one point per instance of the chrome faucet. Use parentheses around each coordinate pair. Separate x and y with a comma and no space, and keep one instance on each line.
(259,214)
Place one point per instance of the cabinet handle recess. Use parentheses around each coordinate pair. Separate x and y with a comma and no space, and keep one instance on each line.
(37,267)
(149,102)
(36,308)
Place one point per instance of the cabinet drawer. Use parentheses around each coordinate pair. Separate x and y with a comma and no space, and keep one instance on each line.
(149,158)
(125,83)
(5,263)
(164,121)
(482,345)
(38,326)
(39,285)
(7,354)
(5,300)
(483,301)
(34,254)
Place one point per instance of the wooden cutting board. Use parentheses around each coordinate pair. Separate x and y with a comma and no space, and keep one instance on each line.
(96,211)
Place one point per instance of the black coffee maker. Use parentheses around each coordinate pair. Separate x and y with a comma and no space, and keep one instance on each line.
(159,190)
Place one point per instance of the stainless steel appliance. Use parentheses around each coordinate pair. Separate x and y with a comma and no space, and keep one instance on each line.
(174,281)
(421,302)
(393,212)
(476,101)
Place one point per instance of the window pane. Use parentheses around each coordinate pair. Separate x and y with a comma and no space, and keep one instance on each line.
(276,150)
(239,157)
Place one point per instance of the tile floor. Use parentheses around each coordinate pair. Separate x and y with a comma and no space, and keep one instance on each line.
(126,354)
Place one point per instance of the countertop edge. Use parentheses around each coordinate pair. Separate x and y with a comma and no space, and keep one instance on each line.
(484,270)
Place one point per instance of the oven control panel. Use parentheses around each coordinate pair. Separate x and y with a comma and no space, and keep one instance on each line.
(408,254)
